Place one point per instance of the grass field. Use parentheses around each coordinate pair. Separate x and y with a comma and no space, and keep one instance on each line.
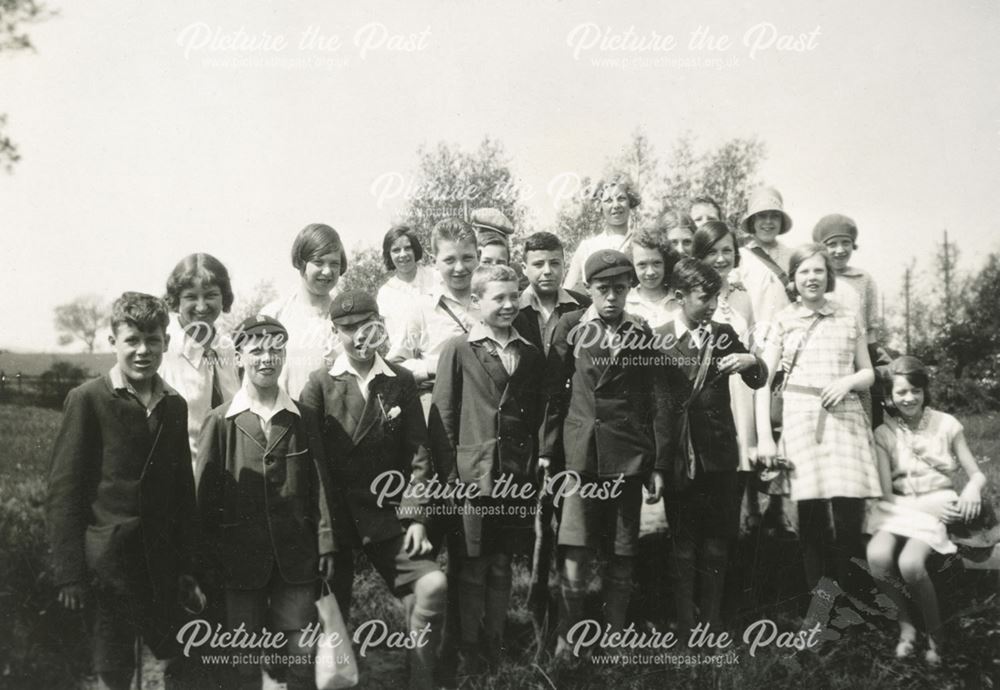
(36,363)
(45,647)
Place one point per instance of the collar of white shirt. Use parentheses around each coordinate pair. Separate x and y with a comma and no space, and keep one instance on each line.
(481,332)
(529,298)
(190,348)
(343,365)
(243,402)
(682,328)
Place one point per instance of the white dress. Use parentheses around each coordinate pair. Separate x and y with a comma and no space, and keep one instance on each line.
(396,300)
(311,343)
(740,394)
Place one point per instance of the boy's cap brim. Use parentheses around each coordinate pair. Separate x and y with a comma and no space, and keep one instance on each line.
(353,318)
(611,272)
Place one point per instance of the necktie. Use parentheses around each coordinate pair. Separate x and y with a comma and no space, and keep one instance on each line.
(213,359)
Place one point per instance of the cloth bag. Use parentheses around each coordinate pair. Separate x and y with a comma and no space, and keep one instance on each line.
(336,666)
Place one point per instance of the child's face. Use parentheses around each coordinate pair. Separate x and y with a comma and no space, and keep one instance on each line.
(841,249)
(697,305)
(907,398)
(322,273)
(811,278)
(138,352)
(702,213)
(361,341)
(455,262)
(767,226)
(544,270)
(614,205)
(648,266)
(681,240)
(401,253)
(608,295)
(722,255)
(262,359)
(199,303)
(494,255)
(498,304)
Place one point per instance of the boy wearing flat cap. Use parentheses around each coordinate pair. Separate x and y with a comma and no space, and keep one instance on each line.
(372,426)
(604,421)
(261,493)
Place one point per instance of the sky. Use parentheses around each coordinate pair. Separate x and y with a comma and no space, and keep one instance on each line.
(153,130)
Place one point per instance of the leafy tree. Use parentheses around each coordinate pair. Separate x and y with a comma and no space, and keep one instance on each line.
(81,319)
(452,182)
(729,173)
(365,270)
(639,161)
(247,305)
(14,14)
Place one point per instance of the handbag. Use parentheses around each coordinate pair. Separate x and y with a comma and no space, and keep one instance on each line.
(780,380)
(976,538)
(336,666)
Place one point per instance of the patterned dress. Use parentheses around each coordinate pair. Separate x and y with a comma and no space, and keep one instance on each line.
(922,466)
(831,449)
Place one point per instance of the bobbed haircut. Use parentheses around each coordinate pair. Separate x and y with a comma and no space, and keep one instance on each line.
(495,273)
(651,238)
(708,235)
(452,229)
(915,373)
(690,273)
(203,268)
(802,253)
(617,179)
(316,240)
(394,233)
(139,310)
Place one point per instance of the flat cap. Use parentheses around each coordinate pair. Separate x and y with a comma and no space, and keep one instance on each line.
(257,327)
(352,306)
(606,263)
(491,219)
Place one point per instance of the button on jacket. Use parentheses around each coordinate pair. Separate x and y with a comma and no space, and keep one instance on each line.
(262,498)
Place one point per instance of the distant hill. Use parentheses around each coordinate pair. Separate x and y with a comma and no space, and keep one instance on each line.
(36,363)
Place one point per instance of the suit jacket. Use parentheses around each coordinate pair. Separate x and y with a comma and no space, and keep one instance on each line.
(484,422)
(377,445)
(604,415)
(713,431)
(263,502)
(526,321)
(121,499)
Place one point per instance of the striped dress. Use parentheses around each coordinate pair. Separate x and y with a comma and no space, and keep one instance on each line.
(832,450)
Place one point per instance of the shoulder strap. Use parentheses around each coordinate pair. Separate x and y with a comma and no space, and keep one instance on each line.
(770,263)
(801,346)
(447,309)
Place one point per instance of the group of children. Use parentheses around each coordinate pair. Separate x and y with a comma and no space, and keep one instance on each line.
(174,480)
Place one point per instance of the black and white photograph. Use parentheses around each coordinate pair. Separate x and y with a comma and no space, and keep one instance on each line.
(541,345)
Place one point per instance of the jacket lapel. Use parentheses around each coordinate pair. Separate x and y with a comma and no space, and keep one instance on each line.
(248,423)
(372,412)
(491,363)
(280,423)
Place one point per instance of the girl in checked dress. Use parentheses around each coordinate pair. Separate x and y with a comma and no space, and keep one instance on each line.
(822,349)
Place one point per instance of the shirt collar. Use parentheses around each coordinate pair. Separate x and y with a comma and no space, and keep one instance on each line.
(801,310)
(529,298)
(851,272)
(681,326)
(480,331)
(243,402)
(343,365)
(440,290)
(160,387)
(190,349)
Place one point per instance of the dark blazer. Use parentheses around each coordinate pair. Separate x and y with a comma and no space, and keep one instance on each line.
(262,503)
(121,498)
(526,321)
(713,432)
(604,416)
(484,422)
(377,445)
